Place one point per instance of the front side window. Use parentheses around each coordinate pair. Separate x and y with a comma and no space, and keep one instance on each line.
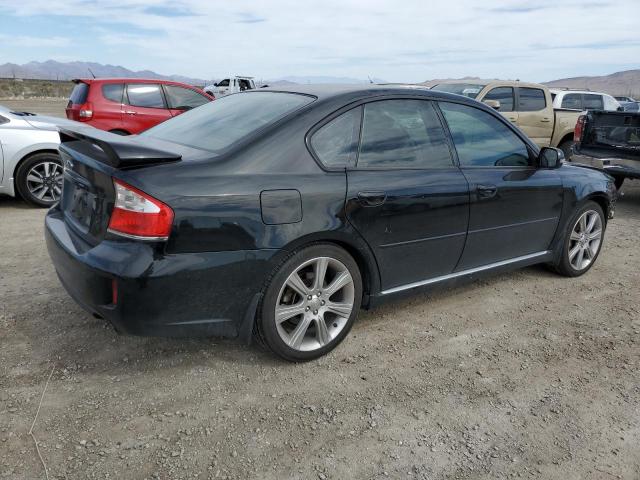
(223,83)
(531,99)
(180,98)
(504,95)
(217,125)
(572,101)
(113,91)
(145,95)
(592,102)
(402,134)
(483,140)
(336,143)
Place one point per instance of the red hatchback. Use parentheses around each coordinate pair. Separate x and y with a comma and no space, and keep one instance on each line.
(130,105)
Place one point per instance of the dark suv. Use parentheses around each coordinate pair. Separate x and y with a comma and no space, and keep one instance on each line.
(130,105)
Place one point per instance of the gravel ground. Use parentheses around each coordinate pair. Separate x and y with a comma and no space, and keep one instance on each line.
(44,106)
(525,375)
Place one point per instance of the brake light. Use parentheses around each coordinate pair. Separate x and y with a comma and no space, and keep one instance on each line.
(139,215)
(86,112)
(577,132)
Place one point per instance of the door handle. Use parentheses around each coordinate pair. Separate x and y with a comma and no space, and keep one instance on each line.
(372,199)
(545,120)
(130,112)
(487,191)
(512,119)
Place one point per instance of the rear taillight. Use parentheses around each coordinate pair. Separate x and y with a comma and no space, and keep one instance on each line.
(86,112)
(139,215)
(577,132)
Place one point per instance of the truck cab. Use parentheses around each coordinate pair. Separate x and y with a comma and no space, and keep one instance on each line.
(230,85)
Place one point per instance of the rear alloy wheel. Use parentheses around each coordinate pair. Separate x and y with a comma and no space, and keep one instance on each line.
(584,240)
(39,179)
(311,303)
(567,149)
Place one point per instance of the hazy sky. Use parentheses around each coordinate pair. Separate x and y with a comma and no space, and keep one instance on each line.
(407,40)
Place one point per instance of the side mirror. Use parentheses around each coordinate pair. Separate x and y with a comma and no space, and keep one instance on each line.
(495,104)
(215,84)
(550,157)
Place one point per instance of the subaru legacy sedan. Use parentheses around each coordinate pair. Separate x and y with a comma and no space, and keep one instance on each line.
(279,214)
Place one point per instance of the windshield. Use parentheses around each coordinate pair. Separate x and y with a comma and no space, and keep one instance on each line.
(217,125)
(470,90)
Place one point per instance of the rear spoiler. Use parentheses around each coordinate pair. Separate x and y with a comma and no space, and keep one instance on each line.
(115,150)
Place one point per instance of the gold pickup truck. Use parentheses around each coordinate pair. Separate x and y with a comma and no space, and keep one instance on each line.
(528,105)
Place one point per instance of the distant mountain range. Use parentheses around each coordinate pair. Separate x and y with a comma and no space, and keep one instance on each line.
(619,83)
(53,70)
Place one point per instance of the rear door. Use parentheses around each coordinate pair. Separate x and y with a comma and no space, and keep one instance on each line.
(108,115)
(535,114)
(145,107)
(514,206)
(180,99)
(405,195)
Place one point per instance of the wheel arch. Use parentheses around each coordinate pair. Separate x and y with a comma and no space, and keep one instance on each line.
(26,156)
(354,246)
(601,199)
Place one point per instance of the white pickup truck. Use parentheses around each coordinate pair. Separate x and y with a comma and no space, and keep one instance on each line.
(230,85)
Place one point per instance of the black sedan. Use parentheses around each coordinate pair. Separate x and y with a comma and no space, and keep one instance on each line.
(281,213)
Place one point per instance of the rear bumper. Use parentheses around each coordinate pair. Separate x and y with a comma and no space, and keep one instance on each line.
(616,167)
(158,294)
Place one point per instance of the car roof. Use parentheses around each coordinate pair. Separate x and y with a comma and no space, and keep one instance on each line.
(325,91)
(485,83)
(563,90)
(89,81)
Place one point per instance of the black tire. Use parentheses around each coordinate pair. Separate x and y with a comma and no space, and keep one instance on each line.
(119,132)
(618,181)
(564,266)
(266,326)
(567,149)
(22,182)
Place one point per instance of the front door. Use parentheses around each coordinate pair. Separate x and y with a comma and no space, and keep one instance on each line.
(514,206)
(405,195)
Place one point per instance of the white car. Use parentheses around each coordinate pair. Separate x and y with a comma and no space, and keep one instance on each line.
(230,85)
(30,165)
(583,100)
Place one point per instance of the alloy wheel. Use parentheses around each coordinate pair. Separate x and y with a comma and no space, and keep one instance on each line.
(44,181)
(585,240)
(314,304)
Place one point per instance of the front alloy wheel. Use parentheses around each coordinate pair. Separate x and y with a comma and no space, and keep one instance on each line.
(583,240)
(310,303)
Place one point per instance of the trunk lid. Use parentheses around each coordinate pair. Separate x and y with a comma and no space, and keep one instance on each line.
(91,159)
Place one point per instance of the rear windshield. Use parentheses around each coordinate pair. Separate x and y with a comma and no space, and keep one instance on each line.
(221,123)
(79,93)
(470,90)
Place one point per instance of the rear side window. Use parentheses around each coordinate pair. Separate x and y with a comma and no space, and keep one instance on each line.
(180,98)
(482,140)
(504,95)
(402,134)
(572,101)
(336,143)
(145,95)
(113,91)
(531,99)
(79,94)
(592,102)
(218,125)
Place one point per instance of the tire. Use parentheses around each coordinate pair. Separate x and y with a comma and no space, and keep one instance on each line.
(308,327)
(119,132)
(578,252)
(567,149)
(618,181)
(41,169)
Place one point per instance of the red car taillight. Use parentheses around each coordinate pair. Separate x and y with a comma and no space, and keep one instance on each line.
(86,112)
(139,215)
(577,132)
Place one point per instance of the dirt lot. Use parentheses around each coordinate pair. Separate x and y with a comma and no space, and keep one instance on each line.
(44,106)
(525,375)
